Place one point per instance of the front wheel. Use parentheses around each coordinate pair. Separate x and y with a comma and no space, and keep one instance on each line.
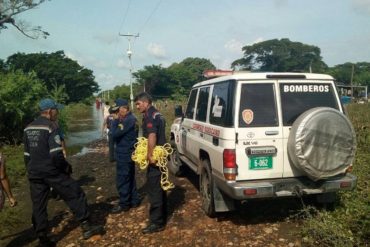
(174,163)
(206,189)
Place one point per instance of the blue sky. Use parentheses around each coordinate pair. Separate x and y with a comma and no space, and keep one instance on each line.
(172,30)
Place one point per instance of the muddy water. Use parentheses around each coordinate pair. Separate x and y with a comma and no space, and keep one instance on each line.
(82,131)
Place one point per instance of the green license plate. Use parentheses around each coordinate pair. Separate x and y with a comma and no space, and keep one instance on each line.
(260,163)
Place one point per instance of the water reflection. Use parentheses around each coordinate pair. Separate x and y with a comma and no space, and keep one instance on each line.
(85,130)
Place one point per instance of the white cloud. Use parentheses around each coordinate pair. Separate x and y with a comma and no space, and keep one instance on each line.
(87,61)
(234,46)
(361,6)
(123,64)
(106,38)
(260,39)
(108,81)
(156,50)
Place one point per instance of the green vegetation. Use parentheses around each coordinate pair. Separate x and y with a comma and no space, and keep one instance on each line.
(173,82)
(19,96)
(280,56)
(349,223)
(65,80)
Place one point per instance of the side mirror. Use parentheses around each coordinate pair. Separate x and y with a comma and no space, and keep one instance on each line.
(178,111)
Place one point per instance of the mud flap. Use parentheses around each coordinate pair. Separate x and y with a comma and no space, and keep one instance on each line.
(223,203)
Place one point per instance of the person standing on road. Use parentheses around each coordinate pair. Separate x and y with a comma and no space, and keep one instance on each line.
(107,125)
(124,132)
(154,129)
(5,185)
(47,167)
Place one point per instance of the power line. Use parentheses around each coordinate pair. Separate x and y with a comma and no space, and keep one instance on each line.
(120,27)
(150,16)
(125,15)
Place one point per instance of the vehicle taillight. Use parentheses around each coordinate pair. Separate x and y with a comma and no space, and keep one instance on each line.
(230,167)
(345,184)
(250,192)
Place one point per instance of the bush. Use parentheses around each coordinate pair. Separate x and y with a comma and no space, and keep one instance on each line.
(19,97)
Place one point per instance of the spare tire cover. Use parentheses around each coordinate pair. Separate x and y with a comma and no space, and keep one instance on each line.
(322,143)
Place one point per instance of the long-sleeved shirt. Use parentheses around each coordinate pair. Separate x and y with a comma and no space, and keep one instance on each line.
(43,152)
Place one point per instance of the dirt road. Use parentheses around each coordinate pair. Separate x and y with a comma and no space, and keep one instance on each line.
(262,223)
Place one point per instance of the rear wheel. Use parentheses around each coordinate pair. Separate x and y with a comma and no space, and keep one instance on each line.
(206,189)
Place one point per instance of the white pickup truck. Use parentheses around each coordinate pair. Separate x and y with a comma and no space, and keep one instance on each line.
(264,135)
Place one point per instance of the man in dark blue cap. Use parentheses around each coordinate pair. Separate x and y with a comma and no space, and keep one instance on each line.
(124,131)
(47,167)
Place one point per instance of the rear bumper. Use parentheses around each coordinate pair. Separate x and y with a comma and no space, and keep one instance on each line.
(285,186)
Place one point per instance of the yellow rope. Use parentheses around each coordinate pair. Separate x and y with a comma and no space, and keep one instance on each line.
(160,155)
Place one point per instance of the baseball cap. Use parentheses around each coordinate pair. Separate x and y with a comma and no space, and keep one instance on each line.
(49,104)
(119,103)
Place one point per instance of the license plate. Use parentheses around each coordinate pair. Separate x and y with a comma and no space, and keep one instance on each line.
(260,163)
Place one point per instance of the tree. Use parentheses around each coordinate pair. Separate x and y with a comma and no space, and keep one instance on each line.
(58,93)
(280,56)
(19,96)
(120,92)
(174,80)
(156,80)
(189,71)
(10,8)
(56,68)
(343,73)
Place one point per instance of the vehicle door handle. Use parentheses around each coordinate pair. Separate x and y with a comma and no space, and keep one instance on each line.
(271,132)
(201,134)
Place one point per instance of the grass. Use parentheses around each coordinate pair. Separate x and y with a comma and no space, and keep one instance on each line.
(349,223)
(16,172)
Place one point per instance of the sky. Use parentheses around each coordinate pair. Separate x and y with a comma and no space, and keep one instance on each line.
(172,30)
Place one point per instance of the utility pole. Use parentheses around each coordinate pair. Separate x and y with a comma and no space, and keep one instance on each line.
(353,70)
(129,54)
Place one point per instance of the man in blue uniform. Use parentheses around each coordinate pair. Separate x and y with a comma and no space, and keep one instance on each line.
(153,129)
(47,167)
(124,132)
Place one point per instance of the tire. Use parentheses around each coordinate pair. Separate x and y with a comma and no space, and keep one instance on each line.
(322,143)
(175,164)
(206,189)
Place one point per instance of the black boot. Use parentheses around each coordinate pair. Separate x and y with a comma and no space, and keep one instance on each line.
(89,230)
(45,241)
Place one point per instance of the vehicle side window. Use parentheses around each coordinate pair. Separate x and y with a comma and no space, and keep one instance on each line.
(201,113)
(222,107)
(191,104)
(297,98)
(257,105)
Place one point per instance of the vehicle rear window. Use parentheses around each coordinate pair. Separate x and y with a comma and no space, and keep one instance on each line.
(222,107)
(297,98)
(191,104)
(201,112)
(257,105)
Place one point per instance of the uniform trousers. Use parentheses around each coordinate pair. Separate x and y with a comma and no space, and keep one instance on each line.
(157,197)
(125,180)
(68,189)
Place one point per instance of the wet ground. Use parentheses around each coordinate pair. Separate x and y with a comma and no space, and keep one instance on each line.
(260,223)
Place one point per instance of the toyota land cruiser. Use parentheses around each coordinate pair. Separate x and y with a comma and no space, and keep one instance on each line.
(264,135)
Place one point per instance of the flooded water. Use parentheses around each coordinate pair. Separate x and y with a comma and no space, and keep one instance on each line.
(82,131)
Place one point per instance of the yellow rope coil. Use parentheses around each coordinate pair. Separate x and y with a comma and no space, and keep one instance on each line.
(160,155)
